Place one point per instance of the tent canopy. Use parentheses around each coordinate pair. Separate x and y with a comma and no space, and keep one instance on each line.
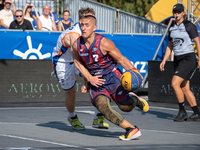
(162,10)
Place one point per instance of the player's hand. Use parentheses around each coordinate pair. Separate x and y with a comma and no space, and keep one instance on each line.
(85,88)
(135,69)
(97,80)
(162,65)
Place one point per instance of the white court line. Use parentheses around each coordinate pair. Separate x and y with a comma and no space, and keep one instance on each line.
(83,107)
(165,108)
(170,132)
(42,141)
(18,123)
(113,128)
(157,131)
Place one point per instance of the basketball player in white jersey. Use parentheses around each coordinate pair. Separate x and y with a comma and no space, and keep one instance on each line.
(64,69)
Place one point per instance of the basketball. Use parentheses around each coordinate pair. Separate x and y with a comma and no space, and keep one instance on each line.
(131,79)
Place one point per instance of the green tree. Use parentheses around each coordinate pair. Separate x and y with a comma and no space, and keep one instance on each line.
(137,7)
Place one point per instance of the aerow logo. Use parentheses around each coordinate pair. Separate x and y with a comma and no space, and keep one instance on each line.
(31,53)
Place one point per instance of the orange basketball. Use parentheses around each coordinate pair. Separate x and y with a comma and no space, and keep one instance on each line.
(131,79)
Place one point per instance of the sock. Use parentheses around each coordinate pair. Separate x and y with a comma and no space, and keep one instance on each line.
(96,112)
(182,106)
(196,110)
(70,115)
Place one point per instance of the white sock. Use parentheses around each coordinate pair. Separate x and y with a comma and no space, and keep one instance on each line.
(95,113)
(70,115)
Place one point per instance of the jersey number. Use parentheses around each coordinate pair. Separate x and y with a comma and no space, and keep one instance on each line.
(95,57)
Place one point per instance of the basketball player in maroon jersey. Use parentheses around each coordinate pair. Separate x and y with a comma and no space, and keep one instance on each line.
(96,58)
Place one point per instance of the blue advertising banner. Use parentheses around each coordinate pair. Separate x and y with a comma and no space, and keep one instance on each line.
(39,45)
(27,45)
(139,48)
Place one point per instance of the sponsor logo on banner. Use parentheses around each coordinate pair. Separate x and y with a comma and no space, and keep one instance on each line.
(140,65)
(31,53)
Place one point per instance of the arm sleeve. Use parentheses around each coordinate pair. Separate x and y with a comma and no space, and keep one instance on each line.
(192,30)
(169,38)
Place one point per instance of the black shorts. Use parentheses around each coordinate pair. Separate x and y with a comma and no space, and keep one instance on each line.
(184,65)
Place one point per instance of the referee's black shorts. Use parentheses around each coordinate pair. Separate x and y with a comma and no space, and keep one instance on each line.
(184,65)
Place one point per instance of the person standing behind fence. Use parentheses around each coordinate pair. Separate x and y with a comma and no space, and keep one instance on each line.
(6,15)
(28,12)
(65,23)
(181,35)
(45,22)
(20,22)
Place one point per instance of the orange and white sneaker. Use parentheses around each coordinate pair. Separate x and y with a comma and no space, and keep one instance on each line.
(131,133)
(140,103)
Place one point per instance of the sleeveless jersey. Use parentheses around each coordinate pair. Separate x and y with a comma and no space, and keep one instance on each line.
(93,58)
(61,52)
(181,37)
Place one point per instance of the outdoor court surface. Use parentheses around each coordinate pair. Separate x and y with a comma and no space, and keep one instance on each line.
(47,128)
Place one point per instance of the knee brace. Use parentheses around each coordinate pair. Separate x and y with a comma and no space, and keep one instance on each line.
(102,103)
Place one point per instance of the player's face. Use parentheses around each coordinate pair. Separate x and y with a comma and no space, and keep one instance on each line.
(87,27)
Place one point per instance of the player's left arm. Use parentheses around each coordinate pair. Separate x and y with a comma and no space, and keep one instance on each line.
(108,47)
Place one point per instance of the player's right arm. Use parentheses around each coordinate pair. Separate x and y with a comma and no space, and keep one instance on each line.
(166,57)
(94,80)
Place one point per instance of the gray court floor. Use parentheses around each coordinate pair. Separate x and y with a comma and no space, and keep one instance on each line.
(47,128)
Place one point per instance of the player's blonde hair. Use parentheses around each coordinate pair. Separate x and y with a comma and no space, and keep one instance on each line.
(84,11)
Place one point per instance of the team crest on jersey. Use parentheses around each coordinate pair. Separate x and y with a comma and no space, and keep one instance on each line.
(94,49)
(177,41)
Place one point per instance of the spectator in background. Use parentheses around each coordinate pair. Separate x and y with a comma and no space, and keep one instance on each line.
(20,22)
(65,23)
(1,4)
(28,12)
(45,22)
(6,15)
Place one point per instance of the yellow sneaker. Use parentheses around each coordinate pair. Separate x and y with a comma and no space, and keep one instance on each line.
(76,124)
(100,123)
(131,133)
(140,103)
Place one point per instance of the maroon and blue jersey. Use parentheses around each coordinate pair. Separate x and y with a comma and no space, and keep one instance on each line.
(93,59)
(99,64)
